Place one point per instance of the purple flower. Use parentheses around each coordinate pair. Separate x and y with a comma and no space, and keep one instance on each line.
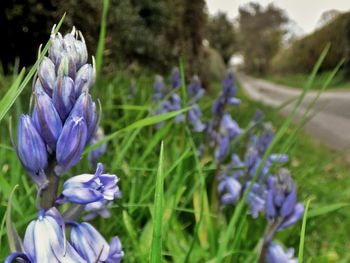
(264,140)
(229,189)
(45,241)
(63,96)
(31,150)
(159,88)
(228,131)
(222,148)
(93,247)
(175,78)
(229,127)
(276,254)
(85,79)
(175,102)
(46,119)
(281,203)
(70,45)
(256,199)
(89,188)
(47,75)
(228,85)
(70,144)
(86,108)
(226,96)
(194,115)
(99,208)
(195,89)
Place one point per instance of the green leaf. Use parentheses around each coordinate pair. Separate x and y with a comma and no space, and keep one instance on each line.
(156,247)
(102,37)
(137,124)
(319,211)
(302,233)
(14,241)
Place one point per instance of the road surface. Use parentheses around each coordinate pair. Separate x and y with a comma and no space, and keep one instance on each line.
(331,113)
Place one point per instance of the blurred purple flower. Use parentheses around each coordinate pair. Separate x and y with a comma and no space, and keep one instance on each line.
(194,115)
(281,202)
(195,89)
(229,189)
(276,254)
(175,78)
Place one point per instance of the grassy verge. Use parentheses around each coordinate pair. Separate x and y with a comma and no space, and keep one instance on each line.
(298,80)
(323,175)
(181,217)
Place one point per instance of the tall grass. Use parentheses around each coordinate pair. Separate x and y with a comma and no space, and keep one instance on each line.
(165,214)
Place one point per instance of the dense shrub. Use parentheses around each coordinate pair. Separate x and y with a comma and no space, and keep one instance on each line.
(302,54)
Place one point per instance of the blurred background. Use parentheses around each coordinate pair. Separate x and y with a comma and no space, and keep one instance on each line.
(263,38)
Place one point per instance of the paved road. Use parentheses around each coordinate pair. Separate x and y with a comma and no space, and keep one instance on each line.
(331,113)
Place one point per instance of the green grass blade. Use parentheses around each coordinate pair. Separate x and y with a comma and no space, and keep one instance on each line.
(102,37)
(12,236)
(302,233)
(156,247)
(10,96)
(138,124)
(183,81)
(326,209)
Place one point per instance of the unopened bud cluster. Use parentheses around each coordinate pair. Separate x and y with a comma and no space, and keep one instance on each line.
(50,141)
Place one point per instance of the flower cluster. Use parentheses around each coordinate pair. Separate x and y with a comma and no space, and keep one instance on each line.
(273,194)
(223,130)
(49,142)
(169,100)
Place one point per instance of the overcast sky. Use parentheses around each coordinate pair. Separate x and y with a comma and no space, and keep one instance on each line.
(305,12)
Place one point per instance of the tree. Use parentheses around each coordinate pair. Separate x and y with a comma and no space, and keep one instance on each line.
(260,34)
(221,35)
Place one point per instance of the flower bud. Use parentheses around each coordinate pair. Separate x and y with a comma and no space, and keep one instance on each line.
(47,75)
(46,119)
(85,79)
(31,150)
(76,47)
(175,79)
(90,244)
(228,85)
(63,96)
(56,48)
(86,108)
(67,65)
(70,144)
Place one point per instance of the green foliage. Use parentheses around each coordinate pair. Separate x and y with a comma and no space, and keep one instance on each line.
(191,232)
(221,35)
(300,56)
(260,35)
